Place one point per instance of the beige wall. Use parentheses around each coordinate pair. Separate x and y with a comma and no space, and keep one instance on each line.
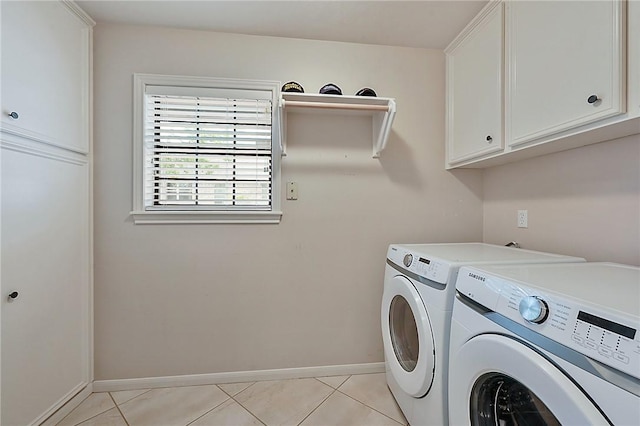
(173,300)
(583,202)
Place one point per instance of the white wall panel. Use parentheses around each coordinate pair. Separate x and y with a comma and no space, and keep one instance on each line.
(45,258)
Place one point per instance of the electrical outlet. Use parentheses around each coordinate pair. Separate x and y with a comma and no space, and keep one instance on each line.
(523,221)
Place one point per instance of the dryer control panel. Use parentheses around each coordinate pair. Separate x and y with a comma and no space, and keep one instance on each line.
(429,268)
(600,333)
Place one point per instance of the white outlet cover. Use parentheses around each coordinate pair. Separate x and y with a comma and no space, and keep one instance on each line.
(523,221)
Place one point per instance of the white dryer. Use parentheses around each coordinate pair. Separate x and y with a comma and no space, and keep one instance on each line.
(546,345)
(416,313)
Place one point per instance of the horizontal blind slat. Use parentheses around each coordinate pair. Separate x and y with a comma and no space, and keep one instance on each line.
(207,151)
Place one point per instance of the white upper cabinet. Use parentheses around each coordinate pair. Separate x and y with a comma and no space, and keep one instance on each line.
(571,78)
(565,66)
(474,88)
(45,73)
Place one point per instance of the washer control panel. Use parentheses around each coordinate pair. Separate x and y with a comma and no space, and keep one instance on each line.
(599,333)
(429,268)
(533,309)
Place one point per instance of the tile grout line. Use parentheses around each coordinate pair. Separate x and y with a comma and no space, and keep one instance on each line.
(240,404)
(89,418)
(130,399)
(118,407)
(334,390)
(213,408)
(367,405)
(231,396)
(342,383)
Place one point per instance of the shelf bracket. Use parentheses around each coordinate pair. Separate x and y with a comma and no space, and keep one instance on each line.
(381,110)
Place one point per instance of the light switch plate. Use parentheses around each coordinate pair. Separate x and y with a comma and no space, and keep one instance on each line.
(292,190)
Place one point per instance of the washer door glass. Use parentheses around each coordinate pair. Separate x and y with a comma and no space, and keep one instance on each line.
(500,400)
(499,380)
(404,333)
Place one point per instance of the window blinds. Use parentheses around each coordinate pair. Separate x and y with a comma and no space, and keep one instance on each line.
(208,152)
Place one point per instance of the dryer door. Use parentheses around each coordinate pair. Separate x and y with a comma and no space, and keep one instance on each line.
(407,337)
(497,380)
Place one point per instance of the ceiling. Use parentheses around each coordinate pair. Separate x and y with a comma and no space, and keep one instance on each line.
(424,24)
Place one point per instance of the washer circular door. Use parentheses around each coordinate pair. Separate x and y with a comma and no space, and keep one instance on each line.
(407,337)
(497,380)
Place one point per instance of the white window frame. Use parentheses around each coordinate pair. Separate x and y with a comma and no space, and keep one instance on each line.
(140,214)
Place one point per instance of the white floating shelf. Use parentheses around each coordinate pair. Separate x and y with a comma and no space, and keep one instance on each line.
(381,110)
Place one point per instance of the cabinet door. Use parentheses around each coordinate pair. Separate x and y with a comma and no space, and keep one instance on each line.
(561,57)
(45,69)
(45,259)
(474,88)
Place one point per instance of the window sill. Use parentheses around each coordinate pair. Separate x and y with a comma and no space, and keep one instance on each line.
(169,218)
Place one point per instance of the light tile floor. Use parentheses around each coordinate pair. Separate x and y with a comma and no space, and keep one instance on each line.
(322,401)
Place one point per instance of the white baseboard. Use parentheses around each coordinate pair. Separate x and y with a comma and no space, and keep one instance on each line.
(62,412)
(235,377)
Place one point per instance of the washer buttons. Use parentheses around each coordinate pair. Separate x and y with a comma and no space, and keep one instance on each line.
(621,358)
(605,351)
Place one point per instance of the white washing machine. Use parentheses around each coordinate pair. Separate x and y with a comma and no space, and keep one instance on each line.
(416,313)
(546,345)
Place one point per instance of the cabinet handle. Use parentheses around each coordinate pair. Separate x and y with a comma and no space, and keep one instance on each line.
(489,139)
(13,295)
(13,115)
(593,99)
